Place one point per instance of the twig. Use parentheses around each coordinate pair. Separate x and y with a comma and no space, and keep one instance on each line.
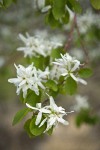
(82,43)
(70,36)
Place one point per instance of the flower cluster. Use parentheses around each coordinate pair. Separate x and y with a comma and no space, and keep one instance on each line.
(87,20)
(29,78)
(52,113)
(41,82)
(69,67)
(35,45)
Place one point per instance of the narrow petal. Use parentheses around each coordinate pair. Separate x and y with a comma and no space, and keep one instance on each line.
(42,123)
(45,9)
(45,111)
(61,120)
(82,81)
(38,119)
(76,66)
(34,108)
(52,104)
(22,38)
(72,75)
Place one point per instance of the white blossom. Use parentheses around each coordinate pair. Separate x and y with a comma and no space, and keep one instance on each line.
(55,72)
(56,115)
(29,78)
(86,21)
(53,114)
(81,102)
(40,110)
(69,66)
(38,45)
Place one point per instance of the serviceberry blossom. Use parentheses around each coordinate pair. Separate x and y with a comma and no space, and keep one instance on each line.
(69,66)
(29,78)
(53,114)
(38,45)
(81,103)
(55,72)
(86,21)
(40,110)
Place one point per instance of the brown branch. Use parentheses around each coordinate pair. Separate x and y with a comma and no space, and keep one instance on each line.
(70,36)
(82,43)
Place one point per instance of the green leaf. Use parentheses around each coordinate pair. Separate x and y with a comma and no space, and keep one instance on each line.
(52,85)
(58,8)
(51,20)
(65,18)
(32,98)
(35,130)
(70,86)
(95,3)
(56,52)
(27,129)
(85,72)
(76,6)
(20,115)
(85,116)
(7,3)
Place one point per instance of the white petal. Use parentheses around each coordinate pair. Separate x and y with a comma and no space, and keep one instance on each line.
(82,81)
(45,9)
(64,74)
(38,105)
(13,80)
(72,75)
(42,123)
(76,66)
(34,108)
(38,119)
(61,120)
(22,38)
(52,104)
(22,83)
(45,111)
(52,121)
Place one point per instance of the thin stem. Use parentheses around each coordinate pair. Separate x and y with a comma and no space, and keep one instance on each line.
(70,36)
(82,43)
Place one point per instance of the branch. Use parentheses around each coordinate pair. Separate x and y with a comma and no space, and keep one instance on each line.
(82,43)
(70,36)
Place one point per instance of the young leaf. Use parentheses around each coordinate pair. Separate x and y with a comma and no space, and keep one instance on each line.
(52,85)
(75,6)
(95,3)
(58,8)
(85,72)
(20,115)
(27,129)
(35,130)
(51,20)
(32,98)
(70,86)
